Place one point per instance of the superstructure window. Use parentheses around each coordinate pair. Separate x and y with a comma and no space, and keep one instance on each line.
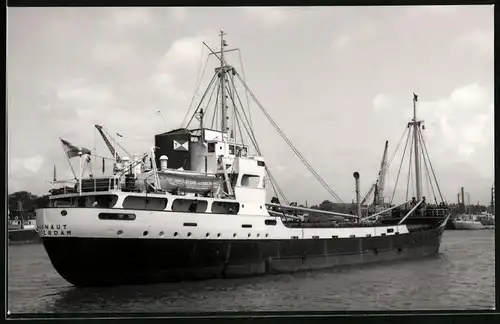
(190,205)
(225,207)
(147,203)
(249,180)
(211,147)
(62,202)
(231,149)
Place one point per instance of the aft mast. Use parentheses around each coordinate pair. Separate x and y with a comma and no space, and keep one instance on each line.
(416,124)
(225,128)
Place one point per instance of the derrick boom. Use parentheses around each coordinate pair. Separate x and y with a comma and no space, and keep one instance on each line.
(118,159)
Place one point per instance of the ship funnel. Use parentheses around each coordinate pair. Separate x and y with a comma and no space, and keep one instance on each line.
(358,198)
(163,162)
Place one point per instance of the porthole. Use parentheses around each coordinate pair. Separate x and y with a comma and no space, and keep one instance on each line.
(218,235)
(175,234)
(258,235)
(242,206)
(248,234)
(207,235)
(267,235)
(145,233)
(64,213)
(120,232)
(234,235)
(189,234)
(161,233)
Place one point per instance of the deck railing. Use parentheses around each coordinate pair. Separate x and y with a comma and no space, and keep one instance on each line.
(88,185)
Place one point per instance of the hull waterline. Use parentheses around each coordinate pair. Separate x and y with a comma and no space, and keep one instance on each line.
(110,262)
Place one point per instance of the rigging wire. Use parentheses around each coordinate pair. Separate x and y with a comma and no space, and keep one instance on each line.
(216,108)
(432,169)
(409,168)
(400,166)
(246,92)
(201,100)
(253,139)
(397,147)
(236,119)
(318,177)
(209,101)
(198,82)
(429,180)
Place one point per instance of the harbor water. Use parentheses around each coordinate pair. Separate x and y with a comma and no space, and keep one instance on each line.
(461,277)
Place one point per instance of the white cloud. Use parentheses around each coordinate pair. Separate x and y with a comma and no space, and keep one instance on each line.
(80,94)
(479,41)
(354,36)
(113,53)
(462,123)
(270,16)
(131,17)
(179,13)
(32,164)
(342,41)
(183,53)
(382,101)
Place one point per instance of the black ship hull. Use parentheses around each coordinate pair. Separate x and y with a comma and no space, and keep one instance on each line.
(109,262)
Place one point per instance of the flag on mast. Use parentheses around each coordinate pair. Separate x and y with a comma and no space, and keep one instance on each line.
(73,150)
(415,97)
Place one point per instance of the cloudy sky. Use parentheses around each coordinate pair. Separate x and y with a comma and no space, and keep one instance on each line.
(337,80)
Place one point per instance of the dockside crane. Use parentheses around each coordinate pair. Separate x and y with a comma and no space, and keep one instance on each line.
(377,189)
(118,159)
(380,185)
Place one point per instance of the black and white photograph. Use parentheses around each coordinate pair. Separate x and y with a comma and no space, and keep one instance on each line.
(250,159)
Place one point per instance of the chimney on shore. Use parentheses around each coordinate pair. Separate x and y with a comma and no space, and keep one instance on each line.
(463,199)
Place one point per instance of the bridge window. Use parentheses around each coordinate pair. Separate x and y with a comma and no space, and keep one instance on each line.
(248,180)
(190,205)
(225,207)
(211,147)
(231,149)
(147,203)
(62,202)
(104,201)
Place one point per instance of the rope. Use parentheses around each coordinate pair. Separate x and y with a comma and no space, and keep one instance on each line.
(246,92)
(429,180)
(400,166)
(430,164)
(198,82)
(203,97)
(253,139)
(304,161)
(397,147)
(216,109)
(409,169)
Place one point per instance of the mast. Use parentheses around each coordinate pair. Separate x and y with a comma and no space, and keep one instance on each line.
(223,86)
(416,125)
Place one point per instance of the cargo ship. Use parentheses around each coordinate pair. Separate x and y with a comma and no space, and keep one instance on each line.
(195,206)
